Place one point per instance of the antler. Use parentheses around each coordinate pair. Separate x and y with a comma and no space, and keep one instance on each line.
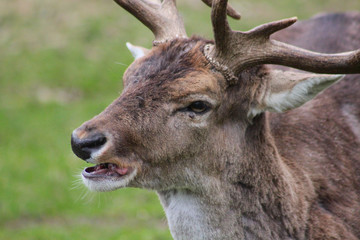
(162,19)
(230,11)
(235,51)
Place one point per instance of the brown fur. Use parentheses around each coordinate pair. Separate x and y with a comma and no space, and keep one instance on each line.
(319,135)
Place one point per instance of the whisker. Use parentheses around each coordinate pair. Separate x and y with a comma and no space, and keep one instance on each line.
(123,64)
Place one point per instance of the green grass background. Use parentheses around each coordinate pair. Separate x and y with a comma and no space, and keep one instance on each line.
(61,62)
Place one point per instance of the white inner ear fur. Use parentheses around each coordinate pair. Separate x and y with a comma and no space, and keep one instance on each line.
(136,51)
(288,90)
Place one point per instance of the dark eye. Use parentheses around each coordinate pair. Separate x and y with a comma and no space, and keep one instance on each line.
(198,107)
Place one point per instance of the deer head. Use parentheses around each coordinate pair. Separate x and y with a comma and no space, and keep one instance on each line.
(187,103)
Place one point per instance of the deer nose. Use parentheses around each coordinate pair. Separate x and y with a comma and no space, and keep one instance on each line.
(84,147)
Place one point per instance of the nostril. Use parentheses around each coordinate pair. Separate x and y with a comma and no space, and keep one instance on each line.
(93,142)
(83,148)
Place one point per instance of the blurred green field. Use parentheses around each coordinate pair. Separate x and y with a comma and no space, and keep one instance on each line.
(61,63)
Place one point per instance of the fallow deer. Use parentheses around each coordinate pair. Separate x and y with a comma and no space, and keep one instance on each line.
(199,122)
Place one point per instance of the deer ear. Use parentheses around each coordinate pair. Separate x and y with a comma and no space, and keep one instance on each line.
(137,51)
(288,90)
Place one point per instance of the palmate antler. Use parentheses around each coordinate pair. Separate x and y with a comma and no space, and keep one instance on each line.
(235,51)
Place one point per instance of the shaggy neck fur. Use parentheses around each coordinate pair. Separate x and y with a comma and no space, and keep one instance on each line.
(261,201)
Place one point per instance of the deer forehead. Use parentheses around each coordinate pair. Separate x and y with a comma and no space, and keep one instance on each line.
(174,70)
(196,84)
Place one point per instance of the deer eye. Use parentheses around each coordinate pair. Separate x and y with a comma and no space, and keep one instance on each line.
(198,107)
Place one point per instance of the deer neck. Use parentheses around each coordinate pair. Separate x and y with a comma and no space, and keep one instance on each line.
(256,197)
(191,216)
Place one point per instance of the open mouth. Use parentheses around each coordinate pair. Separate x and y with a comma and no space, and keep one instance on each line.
(106,170)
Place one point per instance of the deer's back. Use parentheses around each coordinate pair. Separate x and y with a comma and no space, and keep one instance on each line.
(323,136)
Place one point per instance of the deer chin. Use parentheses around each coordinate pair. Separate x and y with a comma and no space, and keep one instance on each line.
(106,177)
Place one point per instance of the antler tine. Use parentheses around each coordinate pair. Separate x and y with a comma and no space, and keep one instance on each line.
(220,24)
(162,19)
(230,11)
(291,56)
(235,51)
(268,29)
